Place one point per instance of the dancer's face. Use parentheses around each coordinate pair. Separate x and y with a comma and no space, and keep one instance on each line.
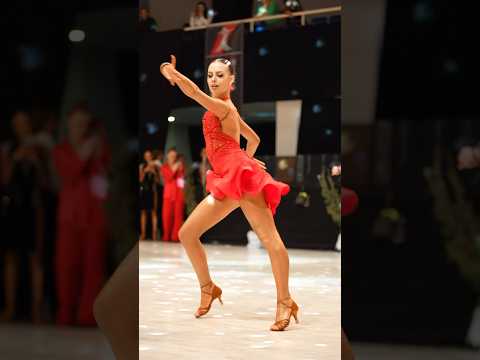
(219,79)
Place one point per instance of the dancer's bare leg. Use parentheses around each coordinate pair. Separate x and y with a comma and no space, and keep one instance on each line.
(116,308)
(261,220)
(208,213)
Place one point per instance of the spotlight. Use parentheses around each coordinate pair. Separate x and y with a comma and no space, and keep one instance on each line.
(31,58)
(316,108)
(328,132)
(263,51)
(76,35)
(197,74)
(319,43)
(152,128)
(171,119)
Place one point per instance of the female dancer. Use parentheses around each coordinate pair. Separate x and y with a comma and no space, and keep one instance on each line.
(237,180)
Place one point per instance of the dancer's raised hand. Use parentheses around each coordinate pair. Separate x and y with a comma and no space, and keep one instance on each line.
(166,69)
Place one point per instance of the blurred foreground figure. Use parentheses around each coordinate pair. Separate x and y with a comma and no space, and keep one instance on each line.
(81,162)
(116,309)
(349,204)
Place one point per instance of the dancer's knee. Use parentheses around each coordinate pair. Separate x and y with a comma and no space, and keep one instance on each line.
(272,242)
(267,239)
(185,233)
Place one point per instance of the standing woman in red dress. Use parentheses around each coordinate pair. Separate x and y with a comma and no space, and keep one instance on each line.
(173,199)
(81,162)
(237,180)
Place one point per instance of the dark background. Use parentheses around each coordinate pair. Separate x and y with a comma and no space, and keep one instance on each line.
(412,291)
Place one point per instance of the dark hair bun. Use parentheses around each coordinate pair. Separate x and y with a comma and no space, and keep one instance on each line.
(226,62)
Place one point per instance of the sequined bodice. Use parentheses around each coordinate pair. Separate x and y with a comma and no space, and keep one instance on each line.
(215,139)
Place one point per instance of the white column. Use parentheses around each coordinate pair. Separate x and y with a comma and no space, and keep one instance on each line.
(288,114)
(177,136)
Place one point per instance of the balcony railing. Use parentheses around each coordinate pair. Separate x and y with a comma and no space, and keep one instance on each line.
(251,21)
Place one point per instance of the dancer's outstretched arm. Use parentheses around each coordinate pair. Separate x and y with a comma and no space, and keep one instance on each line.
(219,107)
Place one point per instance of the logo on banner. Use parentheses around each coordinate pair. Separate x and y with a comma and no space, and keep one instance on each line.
(220,45)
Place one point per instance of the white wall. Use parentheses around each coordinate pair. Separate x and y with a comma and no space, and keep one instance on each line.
(288,115)
(362,39)
(174,14)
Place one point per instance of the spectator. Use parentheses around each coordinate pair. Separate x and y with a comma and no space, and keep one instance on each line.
(173,198)
(268,8)
(23,215)
(200,16)
(81,162)
(149,178)
(291,6)
(146,22)
(158,163)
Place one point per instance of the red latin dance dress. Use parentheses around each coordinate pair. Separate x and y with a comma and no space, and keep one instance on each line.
(234,172)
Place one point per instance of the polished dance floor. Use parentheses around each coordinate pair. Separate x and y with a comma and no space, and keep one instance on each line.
(169,295)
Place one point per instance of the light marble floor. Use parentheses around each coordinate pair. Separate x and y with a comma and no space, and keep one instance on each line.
(28,342)
(368,351)
(169,295)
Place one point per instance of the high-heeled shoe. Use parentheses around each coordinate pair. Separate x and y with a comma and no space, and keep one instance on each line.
(282,324)
(215,293)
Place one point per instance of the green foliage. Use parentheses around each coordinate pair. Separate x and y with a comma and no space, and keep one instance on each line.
(459,224)
(330,196)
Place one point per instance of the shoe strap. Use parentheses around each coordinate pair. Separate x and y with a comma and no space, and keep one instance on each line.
(282,302)
(206,292)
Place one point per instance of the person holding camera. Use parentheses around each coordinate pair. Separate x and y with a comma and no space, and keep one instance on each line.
(149,178)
